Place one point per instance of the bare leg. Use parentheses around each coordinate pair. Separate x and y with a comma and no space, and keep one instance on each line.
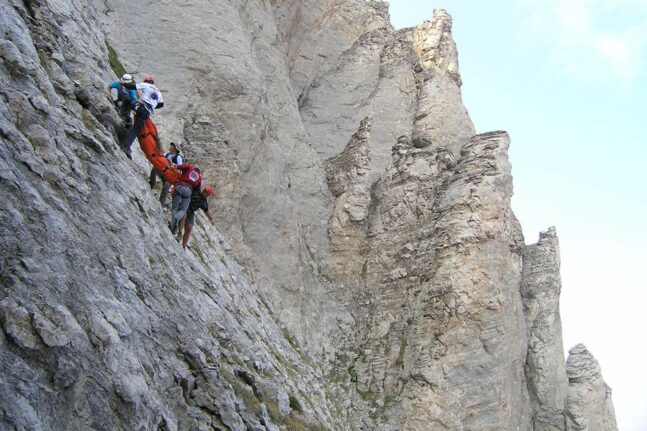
(187,234)
(181,225)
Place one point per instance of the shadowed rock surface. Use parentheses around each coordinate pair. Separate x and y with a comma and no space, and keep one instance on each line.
(366,271)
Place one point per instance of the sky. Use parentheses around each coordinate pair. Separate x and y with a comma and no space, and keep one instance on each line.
(567,79)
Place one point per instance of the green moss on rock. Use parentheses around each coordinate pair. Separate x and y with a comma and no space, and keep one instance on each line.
(115,64)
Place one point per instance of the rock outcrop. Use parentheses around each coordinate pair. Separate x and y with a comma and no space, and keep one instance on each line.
(366,271)
(107,323)
(588,404)
(441,272)
(545,368)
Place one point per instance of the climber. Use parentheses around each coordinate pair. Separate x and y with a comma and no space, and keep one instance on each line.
(189,180)
(198,201)
(149,99)
(175,158)
(126,95)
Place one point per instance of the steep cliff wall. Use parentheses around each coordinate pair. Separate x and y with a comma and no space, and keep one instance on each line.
(366,270)
(107,322)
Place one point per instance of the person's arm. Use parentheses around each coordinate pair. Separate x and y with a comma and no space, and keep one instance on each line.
(183,166)
(179,159)
(210,216)
(138,90)
(110,87)
(160,100)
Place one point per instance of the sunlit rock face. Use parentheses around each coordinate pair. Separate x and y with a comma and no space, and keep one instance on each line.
(365,272)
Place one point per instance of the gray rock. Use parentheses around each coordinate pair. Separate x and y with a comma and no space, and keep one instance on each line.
(283,401)
(545,367)
(419,318)
(588,406)
(16,322)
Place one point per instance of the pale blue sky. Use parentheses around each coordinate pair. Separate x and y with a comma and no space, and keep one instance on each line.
(568,80)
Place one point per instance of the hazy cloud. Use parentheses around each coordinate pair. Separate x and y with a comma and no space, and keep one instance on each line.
(602,38)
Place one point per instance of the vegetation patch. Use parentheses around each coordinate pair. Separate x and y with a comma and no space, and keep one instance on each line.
(115,64)
(365,269)
(291,339)
(298,423)
(214,331)
(243,392)
(353,373)
(273,410)
(295,404)
(43,57)
(86,118)
(293,421)
(198,251)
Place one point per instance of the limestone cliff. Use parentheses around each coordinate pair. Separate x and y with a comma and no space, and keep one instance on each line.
(366,271)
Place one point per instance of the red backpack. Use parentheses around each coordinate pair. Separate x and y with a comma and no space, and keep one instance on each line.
(190,175)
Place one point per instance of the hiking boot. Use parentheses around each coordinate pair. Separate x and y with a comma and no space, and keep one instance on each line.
(128,152)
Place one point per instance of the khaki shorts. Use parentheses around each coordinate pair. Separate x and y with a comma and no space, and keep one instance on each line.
(190,217)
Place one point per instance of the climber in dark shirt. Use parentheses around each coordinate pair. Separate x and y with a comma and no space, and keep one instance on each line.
(198,201)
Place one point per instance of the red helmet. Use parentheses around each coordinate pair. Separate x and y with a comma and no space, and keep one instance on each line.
(208,191)
(149,79)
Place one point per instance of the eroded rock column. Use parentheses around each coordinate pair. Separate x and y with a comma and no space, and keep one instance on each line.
(588,406)
(545,367)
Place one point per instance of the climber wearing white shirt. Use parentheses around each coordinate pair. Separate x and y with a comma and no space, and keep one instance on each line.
(150,95)
(149,98)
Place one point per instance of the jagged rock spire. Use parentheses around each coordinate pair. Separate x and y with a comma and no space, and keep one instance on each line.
(435,46)
(589,406)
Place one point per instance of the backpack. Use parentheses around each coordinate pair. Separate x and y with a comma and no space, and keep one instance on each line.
(192,177)
(125,92)
(174,158)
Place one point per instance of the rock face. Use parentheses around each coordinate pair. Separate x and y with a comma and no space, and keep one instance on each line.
(107,323)
(588,404)
(441,271)
(545,366)
(366,271)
